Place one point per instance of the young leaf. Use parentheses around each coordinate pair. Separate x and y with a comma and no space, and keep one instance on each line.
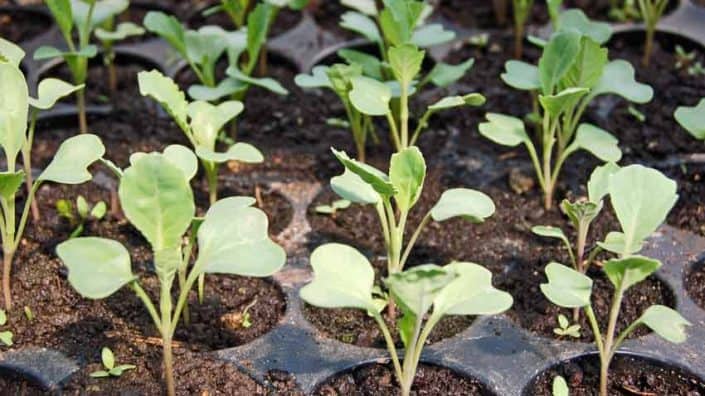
(234,239)
(598,185)
(371,66)
(242,152)
(597,141)
(10,183)
(343,278)
(48,52)
(13,107)
(226,87)
(627,272)
(564,100)
(265,82)
(167,27)
(443,74)
(258,22)
(108,358)
(449,102)
(415,289)
(317,79)
(407,171)
(370,96)
(430,35)
(103,10)
(61,11)
(665,322)
(6,337)
(471,205)
(618,78)
(351,187)
(558,56)
(365,6)
(71,161)
(575,19)
(405,61)
(521,75)
(11,53)
(118,370)
(50,90)
(99,210)
(82,206)
(361,24)
(98,267)
(374,177)
(566,287)
(551,232)
(165,91)
(471,293)
(99,374)
(3,317)
(560,387)
(121,32)
(692,119)
(588,68)
(504,130)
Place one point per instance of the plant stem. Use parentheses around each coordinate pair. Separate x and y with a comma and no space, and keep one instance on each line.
(649,45)
(81,103)
(404,104)
(394,131)
(7,258)
(212,180)
(165,306)
(27,162)
(391,348)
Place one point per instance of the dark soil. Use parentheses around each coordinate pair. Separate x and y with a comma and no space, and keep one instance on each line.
(689,212)
(97,87)
(22,25)
(287,19)
(13,385)
(694,284)
(700,3)
(628,376)
(327,15)
(379,379)
(480,14)
(600,9)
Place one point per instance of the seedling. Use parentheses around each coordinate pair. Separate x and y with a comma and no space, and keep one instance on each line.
(157,199)
(111,370)
(28,313)
(344,278)
(83,16)
(69,165)
(641,198)
(382,85)
(572,72)
(201,122)
(522,11)
(692,119)
(79,214)
(560,387)
(638,115)
(565,329)
(5,336)
(651,12)
(626,11)
(109,34)
(333,208)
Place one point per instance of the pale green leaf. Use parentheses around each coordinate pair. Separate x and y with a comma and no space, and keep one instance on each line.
(405,62)
(598,185)
(471,293)
(431,35)
(599,142)
(370,175)
(106,355)
(416,288)
(13,110)
(361,24)
(370,96)
(443,74)
(50,90)
(504,130)
(352,188)
(165,91)
(556,105)
(558,56)
(265,82)
(11,53)
(665,322)
(468,204)
(167,27)
(627,272)
(692,119)
(317,79)
(618,78)
(242,152)
(521,75)
(567,287)
(10,183)
(70,163)
(121,32)
(407,172)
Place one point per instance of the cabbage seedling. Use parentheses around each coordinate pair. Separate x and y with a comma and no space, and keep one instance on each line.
(394,195)
(522,11)
(69,165)
(566,329)
(572,72)
(111,370)
(692,119)
(201,122)
(83,213)
(344,278)
(641,198)
(333,208)
(109,34)
(157,199)
(651,12)
(84,16)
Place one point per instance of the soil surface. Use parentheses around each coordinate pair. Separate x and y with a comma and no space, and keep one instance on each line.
(694,284)
(22,25)
(379,379)
(628,376)
(480,14)
(327,15)
(287,19)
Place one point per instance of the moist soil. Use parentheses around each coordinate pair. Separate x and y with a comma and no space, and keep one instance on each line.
(694,284)
(480,14)
(287,19)
(380,380)
(327,15)
(629,376)
(600,9)
(22,25)
(79,327)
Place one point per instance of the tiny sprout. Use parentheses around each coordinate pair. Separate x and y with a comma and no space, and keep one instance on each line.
(566,329)
(246,319)
(522,10)
(634,112)
(696,70)
(479,40)
(683,58)
(5,336)
(560,387)
(333,208)
(111,370)
(84,213)
(28,313)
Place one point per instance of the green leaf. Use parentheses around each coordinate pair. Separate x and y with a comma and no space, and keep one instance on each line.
(180,156)
(407,171)
(71,161)
(692,119)
(266,82)
(317,79)
(165,91)
(108,358)
(560,387)
(627,272)
(10,183)
(207,120)
(82,206)
(563,101)
(118,370)
(352,188)
(50,90)
(558,57)
(589,66)
(48,52)
(405,62)
(6,337)
(521,75)
(616,242)
(157,199)
(371,65)
(449,102)
(665,322)
(98,267)
(641,198)
(242,152)
(121,32)
(504,130)
(3,317)
(364,6)
(581,213)
(370,96)
(13,110)
(342,278)
(471,205)
(341,78)
(99,374)
(598,185)
(443,74)
(227,87)
(406,325)
(416,288)
(234,239)
(597,141)
(61,11)
(361,24)
(432,34)
(102,11)
(575,19)
(566,287)
(551,232)
(399,19)
(471,293)
(11,53)
(374,177)
(99,210)
(258,22)
(167,27)
(618,78)
(204,47)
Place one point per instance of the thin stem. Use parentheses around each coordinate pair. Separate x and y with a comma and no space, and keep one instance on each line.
(201,289)
(404,103)
(394,131)
(167,330)
(142,295)
(411,351)
(8,256)
(390,346)
(422,124)
(590,314)
(25,215)
(81,103)
(27,162)
(414,237)
(212,179)
(385,223)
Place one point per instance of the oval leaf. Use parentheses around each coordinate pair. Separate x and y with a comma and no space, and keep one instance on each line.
(407,171)
(71,161)
(627,272)
(50,90)
(599,142)
(471,293)
(665,322)
(504,130)
(370,96)
(566,287)
(471,205)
